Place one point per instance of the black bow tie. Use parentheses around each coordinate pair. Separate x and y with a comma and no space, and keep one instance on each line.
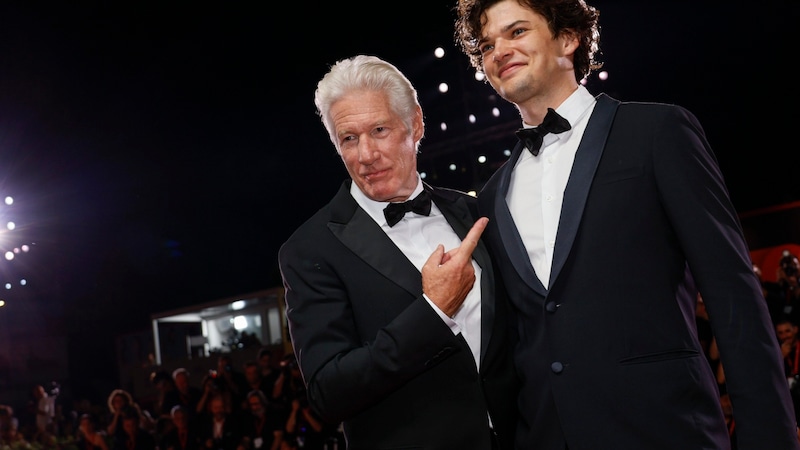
(532,137)
(421,204)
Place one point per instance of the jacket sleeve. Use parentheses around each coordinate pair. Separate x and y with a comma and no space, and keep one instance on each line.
(696,200)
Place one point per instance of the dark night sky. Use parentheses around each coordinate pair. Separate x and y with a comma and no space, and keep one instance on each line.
(159,154)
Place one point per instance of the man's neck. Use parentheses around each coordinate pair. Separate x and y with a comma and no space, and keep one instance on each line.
(534,109)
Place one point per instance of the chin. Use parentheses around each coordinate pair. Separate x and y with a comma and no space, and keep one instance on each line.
(380,192)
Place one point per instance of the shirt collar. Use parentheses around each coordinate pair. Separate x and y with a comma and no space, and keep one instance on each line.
(574,107)
(374,208)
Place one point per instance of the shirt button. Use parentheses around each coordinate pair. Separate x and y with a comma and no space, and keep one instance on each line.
(557,367)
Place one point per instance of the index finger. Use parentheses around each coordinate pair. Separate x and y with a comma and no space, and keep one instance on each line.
(471,240)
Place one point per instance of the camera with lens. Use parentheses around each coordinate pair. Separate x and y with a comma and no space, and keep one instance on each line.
(789,264)
(288,364)
(794,385)
(213,379)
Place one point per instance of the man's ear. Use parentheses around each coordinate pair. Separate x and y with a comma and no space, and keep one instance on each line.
(569,42)
(418,125)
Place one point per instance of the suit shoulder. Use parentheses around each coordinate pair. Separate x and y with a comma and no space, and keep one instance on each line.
(656,117)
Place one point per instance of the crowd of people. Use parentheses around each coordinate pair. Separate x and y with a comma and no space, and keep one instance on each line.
(783,302)
(259,406)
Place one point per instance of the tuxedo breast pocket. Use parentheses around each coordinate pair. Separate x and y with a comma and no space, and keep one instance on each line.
(615,174)
(665,355)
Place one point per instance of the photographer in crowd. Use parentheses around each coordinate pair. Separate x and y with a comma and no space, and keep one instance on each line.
(289,384)
(786,331)
(783,295)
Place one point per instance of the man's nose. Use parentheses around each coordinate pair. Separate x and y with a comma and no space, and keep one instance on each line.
(367,151)
(502,49)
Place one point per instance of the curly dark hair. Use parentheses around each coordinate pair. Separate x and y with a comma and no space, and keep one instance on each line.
(563,16)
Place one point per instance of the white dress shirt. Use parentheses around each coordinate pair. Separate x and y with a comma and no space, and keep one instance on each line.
(417,237)
(536,189)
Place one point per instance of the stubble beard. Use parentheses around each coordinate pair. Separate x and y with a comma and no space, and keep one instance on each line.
(517,91)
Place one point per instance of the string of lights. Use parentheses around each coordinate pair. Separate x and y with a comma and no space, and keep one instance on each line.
(11,250)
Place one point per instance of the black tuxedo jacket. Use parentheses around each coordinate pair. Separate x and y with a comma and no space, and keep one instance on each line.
(609,353)
(374,354)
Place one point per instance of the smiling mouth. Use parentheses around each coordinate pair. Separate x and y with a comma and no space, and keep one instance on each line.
(508,69)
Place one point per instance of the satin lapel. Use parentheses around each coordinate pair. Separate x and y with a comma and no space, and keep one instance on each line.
(507,229)
(456,211)
(358,232)
(587,159)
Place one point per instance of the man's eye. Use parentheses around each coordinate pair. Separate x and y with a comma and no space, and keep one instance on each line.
(347,141)
(485,49)
(518,31)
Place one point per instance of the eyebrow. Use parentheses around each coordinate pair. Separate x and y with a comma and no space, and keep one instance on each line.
(376,124)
